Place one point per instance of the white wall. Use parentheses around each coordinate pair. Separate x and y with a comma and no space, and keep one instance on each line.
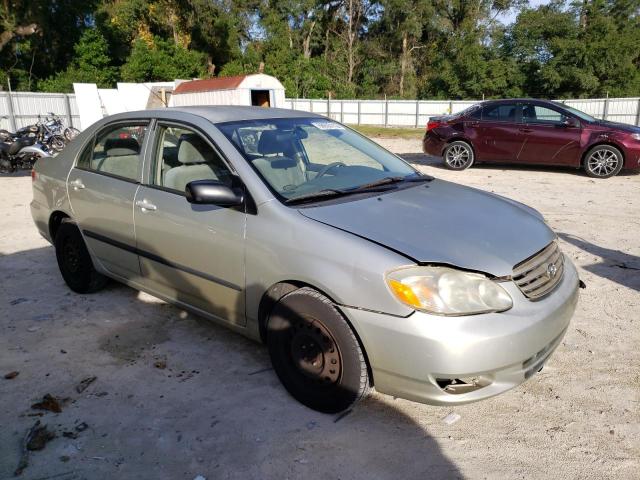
(416,113)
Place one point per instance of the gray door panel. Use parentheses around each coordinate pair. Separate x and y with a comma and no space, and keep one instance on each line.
(192,253)
(103,207)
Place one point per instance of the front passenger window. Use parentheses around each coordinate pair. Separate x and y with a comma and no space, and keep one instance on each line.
(182,156)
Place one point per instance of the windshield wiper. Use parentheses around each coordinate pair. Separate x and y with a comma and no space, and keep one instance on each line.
(327,192)
(391,180)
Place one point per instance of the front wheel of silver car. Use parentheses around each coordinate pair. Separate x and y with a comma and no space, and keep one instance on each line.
(315,353)
(458,155)
(603,161)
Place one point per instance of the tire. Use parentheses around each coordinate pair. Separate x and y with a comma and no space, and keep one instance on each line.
(56,143)
(70,133)
(603,161)
(458,155)
(305,328)
(75,262)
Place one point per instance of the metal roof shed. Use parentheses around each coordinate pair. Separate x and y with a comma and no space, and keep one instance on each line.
(259,90)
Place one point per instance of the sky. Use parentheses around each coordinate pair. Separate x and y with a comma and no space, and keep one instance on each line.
(510,16)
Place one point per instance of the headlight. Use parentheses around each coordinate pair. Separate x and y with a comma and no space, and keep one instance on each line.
(635,136)
(446,291)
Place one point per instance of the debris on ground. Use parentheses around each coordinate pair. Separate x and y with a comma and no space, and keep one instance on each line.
(18,301)
(451,418)
(36,439)
(82,386)
(65,458)
(262,370)
(50,403)
(11,375)
(160,364)
(341,416)
(81,427)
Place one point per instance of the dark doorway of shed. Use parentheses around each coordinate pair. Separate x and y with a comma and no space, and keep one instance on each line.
(260,98)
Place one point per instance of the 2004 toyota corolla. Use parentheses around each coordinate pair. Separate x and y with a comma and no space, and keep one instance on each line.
(355,269)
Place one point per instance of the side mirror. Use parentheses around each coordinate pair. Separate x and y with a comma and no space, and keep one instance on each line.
(213,192)
(571,122)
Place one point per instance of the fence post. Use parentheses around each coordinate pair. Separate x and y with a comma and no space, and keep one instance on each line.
(450,107)
(605,113)
(12,116)
(359,101)
(329,107)
(67,107)
(341,111)
(386,111)
(638,114)
(417,112)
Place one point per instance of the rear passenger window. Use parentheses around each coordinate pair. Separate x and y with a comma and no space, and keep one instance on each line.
(182,156)
(500,113)
(117,151)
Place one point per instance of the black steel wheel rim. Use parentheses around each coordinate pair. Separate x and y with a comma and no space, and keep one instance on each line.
(71,256)
(314,352)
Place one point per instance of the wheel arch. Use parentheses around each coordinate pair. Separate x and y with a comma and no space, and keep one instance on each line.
(600,143)
(279,290)
(459,138)
(55,220)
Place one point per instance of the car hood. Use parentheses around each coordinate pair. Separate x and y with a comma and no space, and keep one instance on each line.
(625,127)
(443,223)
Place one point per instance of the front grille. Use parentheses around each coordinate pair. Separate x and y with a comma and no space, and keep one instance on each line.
(538,275)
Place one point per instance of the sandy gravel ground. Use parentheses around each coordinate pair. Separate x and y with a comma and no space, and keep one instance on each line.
(217,410)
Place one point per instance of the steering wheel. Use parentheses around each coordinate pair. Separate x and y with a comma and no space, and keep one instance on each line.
(329,167)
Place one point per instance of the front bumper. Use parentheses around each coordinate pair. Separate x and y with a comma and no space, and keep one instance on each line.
(413,357)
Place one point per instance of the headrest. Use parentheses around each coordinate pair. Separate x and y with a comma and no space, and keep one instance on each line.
(273,141)
(282,162)
(116,147)
(192,148)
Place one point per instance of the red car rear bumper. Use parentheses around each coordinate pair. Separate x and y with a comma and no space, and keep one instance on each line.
(432,144)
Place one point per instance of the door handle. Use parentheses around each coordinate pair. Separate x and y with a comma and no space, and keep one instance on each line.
(526,130)
(77,184)
(146,206)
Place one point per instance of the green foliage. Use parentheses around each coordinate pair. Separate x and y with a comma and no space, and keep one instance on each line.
(91,64)
(161,61)
(338,48)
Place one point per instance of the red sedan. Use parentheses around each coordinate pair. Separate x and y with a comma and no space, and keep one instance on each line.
(534,132)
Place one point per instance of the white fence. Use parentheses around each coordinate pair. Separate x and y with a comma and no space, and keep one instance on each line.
(19,109)
(416,113)
(22,108)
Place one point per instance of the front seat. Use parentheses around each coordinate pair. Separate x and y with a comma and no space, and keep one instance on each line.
(280,170)
(197,160)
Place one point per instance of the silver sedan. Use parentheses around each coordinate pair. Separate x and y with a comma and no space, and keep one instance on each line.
(356,270)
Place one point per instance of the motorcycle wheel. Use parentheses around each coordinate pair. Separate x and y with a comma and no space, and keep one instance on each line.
(70,133)
(56,143)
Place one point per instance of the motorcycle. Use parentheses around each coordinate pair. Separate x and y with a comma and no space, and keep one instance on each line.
(20,151)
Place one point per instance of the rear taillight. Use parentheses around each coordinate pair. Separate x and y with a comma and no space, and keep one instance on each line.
(33,175)
(431,124)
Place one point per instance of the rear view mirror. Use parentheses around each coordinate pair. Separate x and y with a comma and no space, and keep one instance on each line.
(213,192)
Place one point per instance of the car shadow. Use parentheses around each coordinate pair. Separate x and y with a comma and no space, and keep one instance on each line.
(617,266)
(175,395)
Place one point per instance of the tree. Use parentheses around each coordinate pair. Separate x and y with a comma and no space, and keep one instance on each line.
(161,60)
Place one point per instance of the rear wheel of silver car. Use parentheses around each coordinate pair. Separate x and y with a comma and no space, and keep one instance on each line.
(315,353)
(458,155)
(75,262)
(603,161)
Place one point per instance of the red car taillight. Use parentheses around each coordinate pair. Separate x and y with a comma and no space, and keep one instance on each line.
(431,124)
(33,175)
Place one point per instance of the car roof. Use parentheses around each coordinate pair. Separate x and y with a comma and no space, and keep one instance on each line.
(215,114)
(512,100)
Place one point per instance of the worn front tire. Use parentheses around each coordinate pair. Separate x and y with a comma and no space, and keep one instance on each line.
(75,262)
(315,353)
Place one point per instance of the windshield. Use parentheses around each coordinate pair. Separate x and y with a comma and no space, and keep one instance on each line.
(579,114)
(300,157)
